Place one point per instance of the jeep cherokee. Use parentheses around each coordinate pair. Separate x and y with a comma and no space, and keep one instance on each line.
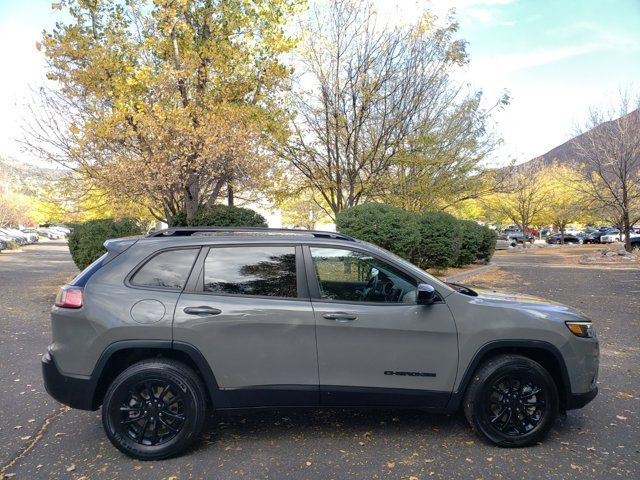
(161,329)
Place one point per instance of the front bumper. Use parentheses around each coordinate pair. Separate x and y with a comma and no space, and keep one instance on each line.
(74,391)
(579,400)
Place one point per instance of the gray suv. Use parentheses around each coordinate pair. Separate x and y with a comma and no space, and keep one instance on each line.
(163,328)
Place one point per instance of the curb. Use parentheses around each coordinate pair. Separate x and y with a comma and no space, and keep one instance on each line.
(459,277)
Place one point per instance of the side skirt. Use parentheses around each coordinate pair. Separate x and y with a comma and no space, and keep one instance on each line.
(283,396)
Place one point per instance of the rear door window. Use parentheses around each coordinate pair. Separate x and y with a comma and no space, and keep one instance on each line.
(168,269)
(268,271)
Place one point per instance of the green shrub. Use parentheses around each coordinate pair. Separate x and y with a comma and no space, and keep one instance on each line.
(471,241)
(440,240)
(383,225)
(221,216)
(430,240)
(488,245)
(87,239)
(11,245)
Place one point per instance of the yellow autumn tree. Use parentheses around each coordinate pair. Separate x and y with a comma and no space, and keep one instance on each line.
(165,103)
(565,202)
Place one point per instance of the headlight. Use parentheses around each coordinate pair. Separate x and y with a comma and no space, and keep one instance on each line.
(581,329)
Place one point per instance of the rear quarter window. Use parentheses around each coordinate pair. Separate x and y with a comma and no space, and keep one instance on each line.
(167,269)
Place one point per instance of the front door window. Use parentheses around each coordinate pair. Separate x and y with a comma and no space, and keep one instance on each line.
(351,276)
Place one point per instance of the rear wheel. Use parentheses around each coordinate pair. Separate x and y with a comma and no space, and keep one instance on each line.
(511,401)
(154,409)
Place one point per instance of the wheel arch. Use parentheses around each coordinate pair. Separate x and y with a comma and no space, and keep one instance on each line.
(120,355)
(540,351)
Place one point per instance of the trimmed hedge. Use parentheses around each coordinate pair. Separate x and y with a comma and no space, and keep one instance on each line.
(471,234)
(488,245)
(221,216)
(386,226)
(430,240)
(440,240)
(87,239)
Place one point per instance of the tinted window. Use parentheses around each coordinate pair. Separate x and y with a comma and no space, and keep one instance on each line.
(168,269)
(268,271)
(346,275)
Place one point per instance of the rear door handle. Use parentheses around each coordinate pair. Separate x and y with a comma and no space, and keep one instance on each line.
(202,311)
(340,316)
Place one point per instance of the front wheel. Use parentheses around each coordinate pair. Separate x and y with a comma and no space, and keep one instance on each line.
(154,409)
(511,401)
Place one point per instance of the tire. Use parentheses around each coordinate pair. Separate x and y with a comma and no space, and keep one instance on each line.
(503,384)
(158,427)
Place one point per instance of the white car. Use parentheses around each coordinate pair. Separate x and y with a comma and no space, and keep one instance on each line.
(616,237)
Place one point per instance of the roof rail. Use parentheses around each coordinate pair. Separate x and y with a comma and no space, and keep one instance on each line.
(189,231)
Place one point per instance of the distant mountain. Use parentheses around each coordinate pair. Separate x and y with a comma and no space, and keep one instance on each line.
(25,178)
(566,153)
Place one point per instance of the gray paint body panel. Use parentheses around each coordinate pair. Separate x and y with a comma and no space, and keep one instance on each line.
(387,338)
(254,341)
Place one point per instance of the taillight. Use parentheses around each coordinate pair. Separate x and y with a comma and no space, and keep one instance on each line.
(69,297)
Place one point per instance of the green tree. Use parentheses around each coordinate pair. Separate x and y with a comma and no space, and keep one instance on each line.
(379,117)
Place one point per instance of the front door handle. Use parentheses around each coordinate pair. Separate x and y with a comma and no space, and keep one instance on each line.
(202,311)
(340,316)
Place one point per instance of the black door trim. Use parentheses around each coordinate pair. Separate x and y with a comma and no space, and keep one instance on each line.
(346,396)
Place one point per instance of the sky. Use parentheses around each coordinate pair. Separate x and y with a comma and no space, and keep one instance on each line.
(556,58)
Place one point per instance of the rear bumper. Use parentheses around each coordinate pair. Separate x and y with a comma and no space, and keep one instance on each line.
(579,400)
(72,390)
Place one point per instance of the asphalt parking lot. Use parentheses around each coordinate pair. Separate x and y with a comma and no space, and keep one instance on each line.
(39,439)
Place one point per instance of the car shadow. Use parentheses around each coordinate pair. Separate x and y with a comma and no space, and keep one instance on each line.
(329,423)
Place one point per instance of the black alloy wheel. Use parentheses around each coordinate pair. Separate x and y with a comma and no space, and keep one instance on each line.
(515,404)
(154,409)
(152,412)
(511,401)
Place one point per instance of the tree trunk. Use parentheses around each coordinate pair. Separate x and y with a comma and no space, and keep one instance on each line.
(190,206)
(230,195)
(627,232)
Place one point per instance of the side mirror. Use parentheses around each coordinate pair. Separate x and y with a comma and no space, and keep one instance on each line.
(426,294)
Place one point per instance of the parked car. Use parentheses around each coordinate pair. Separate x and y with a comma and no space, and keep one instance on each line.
(20,239)
(593,236)
(161,328)
(62,229)
(616,237)
(3,245)
(556,238)
(612,236)
(518,237)
(635,243)
(504,241)
(50,234)
(31,233)
(31,237)
(514,229)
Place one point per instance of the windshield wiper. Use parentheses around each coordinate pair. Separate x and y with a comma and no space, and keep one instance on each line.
(462,289)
